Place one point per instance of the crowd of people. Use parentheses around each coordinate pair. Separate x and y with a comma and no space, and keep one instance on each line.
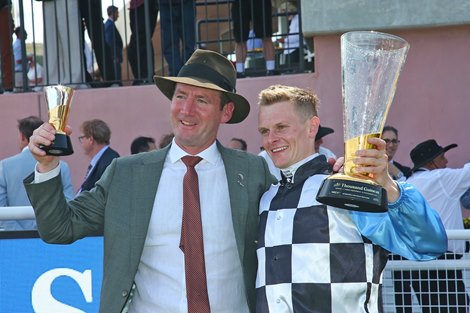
(298,260)
(212,228)
(72,62)
(94,138)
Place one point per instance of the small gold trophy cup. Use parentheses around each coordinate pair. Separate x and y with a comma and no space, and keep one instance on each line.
(59,99)
(370,65)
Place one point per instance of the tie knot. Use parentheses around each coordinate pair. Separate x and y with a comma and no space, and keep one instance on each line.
(191,161)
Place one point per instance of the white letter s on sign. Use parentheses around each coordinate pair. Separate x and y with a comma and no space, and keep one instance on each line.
(44,302)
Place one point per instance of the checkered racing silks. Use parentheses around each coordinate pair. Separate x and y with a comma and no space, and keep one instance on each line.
(312,258)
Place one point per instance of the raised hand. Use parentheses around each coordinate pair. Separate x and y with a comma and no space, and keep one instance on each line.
(374,163)
(44,136)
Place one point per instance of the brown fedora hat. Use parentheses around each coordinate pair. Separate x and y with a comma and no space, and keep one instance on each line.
(427,151)
(211,70)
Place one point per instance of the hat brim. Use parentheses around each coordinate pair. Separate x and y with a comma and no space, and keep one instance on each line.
(433,156)
(451,146)
(167,86)
(323,131)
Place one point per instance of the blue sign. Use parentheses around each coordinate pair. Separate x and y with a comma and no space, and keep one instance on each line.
(40,277)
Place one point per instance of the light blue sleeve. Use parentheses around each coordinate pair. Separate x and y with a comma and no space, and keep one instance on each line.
(3,187)
(66,181)
(410,227)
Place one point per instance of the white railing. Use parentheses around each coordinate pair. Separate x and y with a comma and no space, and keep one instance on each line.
(426,274)
(16,213)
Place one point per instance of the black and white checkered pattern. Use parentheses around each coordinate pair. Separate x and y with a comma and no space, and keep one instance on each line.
(312,258)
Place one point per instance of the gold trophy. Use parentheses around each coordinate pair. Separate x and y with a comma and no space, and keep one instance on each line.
(370,65)
(59,99)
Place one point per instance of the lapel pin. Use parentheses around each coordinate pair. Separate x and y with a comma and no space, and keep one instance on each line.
(240,179)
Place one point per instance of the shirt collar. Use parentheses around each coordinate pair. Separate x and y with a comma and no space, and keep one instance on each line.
(291,169)
(97,156)
(422,169)
(210,155)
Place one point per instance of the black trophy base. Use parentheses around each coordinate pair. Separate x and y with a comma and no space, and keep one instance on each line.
(61,146)
(345,192)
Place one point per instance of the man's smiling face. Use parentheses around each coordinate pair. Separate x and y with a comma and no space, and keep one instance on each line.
(196,114)
(287,136)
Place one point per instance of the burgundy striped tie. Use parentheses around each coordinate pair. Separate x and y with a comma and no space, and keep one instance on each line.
(191,241)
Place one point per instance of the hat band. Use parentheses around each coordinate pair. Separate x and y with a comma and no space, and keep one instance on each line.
(195,69)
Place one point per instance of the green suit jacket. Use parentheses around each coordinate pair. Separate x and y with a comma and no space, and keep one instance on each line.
(121,204)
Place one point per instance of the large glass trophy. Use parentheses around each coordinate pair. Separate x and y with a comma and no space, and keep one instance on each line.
(370,65)
(59,99)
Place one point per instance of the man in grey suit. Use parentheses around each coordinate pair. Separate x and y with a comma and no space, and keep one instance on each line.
(14,169)
(138,202)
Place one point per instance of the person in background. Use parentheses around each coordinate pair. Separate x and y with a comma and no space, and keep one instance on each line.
(401,278)
(95,137)
(291,43)
(322,132)
(6,50)
(318,258)
(18,53)
(253,43)
(35,74)
(441,187)
(396,170)
(259,13)
(165,140)
(152,206)
(89,56)
(177,21)
(63,57)
(465,200)
(114,41)
(140,50)
(91,14)
(142,144)
(238,143)
(15,168)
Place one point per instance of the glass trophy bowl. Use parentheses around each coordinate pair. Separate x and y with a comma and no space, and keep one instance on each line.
(371,63)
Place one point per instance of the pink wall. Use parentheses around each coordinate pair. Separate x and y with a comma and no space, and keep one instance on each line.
(431,101)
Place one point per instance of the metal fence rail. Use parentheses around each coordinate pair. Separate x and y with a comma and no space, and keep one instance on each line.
(71,33)
(435,286)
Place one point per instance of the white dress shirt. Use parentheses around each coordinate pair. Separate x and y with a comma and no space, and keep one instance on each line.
(327,152)
(292,41)
(442,189)
(160,279)
(272,168)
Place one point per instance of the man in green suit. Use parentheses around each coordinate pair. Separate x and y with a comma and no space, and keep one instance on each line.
(138,204)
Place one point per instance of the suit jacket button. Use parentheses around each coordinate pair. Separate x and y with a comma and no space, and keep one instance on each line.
(124,293)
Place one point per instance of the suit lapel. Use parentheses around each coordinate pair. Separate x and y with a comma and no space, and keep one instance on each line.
(145,177)
(91,177)
(236,171)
